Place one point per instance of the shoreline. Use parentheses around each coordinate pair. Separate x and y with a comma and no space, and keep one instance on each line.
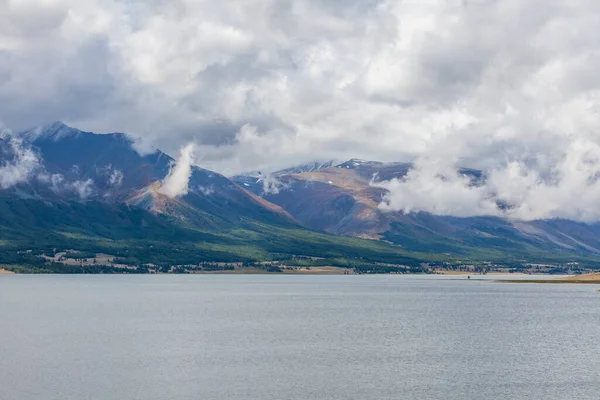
(6,272)
(589,279)
(452,272)
(258,271)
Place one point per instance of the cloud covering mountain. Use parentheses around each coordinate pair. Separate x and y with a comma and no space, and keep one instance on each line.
(18,162)
(507,86)
(176,183)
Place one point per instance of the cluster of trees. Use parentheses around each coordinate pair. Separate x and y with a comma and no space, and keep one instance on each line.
(79,255)
(217,267)
(60,268)
(390,269)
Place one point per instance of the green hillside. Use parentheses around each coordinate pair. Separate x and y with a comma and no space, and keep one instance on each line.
(29,228)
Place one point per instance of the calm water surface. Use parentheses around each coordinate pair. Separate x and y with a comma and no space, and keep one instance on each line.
(296,337)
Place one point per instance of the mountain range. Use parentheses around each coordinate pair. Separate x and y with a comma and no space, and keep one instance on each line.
(344,199)
(63,189)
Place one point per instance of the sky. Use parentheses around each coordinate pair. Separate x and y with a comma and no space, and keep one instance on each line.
(507,86)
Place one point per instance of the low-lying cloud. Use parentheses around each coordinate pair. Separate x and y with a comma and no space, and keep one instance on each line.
(432,188)
(271,184)
(113,176)
(20,164)
(566,186)
(82,188)
(176,183)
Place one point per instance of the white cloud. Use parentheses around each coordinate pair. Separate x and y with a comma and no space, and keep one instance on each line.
(565,186)
(206,191)
(434,188)
(262,84)
(271,185)
(142,145)
(82,188)
(55,181)
(20,162)
(176,183)
(115,178)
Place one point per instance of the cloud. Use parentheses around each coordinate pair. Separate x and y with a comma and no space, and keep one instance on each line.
(20,162)
(82,188)
(177,180)
(54,181)
(262,84)
(433,188)
(271,185)
(142,145)
(206,191)
(566,186)
(116,178)
(113,176)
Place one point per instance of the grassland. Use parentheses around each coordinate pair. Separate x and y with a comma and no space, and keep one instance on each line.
(143,242)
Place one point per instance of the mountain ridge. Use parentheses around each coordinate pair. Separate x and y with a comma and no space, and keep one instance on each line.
(345,200)
(95,192)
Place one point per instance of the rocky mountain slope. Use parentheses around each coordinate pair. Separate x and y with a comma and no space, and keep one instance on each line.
(68,189)
(62,188)
(344,200)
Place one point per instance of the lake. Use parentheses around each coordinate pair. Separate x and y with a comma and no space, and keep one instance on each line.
(296,337)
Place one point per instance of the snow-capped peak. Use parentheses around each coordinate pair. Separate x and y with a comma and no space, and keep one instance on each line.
(308,167)
(54,131)
(257,176)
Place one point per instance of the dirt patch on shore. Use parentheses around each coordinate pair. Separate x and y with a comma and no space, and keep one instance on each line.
(5,272)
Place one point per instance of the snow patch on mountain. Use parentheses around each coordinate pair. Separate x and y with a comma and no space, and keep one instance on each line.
(256,176)
(308,167)
(55,131)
